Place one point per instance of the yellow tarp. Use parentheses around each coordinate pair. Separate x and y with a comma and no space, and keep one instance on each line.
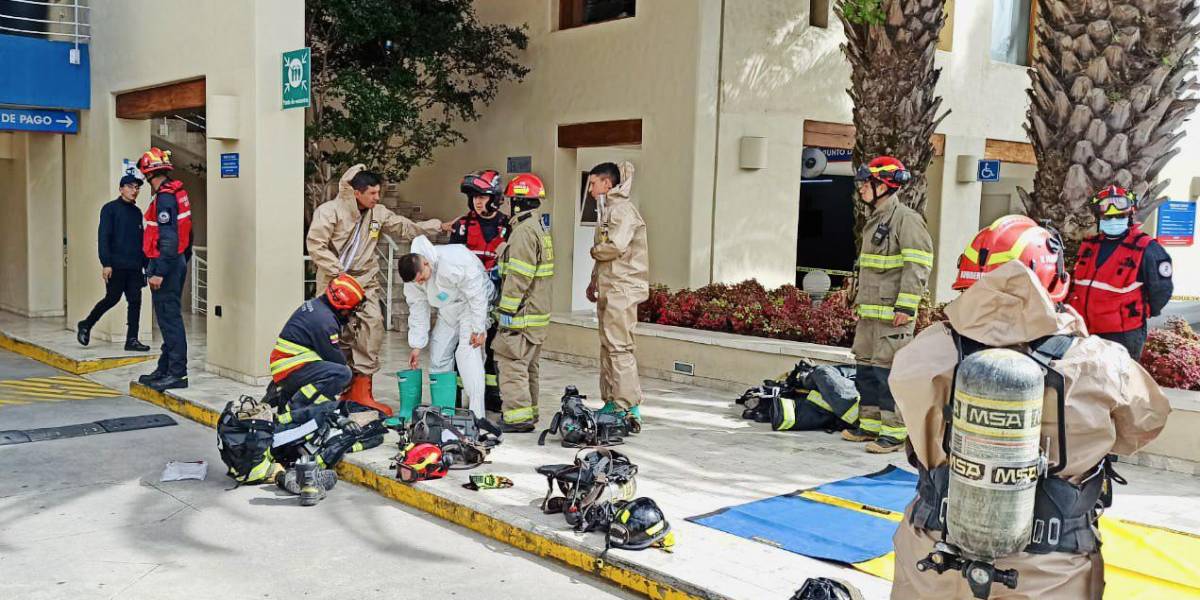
(1141,562)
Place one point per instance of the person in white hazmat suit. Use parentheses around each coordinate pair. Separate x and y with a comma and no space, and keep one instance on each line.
(451,279)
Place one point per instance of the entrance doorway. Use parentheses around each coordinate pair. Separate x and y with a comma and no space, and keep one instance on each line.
(825,235)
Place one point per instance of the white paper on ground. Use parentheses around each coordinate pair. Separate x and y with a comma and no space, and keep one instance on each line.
(178,471)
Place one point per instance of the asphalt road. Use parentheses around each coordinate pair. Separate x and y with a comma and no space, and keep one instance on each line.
(88,517)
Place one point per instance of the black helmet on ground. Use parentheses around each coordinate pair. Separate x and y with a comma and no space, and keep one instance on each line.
(638,525)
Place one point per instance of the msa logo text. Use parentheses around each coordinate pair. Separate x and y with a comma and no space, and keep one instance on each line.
(989,417)
(1015,475)
(965,468)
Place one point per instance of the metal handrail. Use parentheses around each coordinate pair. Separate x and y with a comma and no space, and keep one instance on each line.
(390,257)
(199,280)
(74,24)
(40,3)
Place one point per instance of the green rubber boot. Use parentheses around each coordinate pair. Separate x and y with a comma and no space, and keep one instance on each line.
(443,390)
(410,392)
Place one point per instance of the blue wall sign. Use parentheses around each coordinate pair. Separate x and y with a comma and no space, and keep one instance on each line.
(38,72)
(230,166)
(989,171)
(1177,223)
(48,121)
(837,154)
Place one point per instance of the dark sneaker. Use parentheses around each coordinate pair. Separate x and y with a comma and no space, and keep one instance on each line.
(885,445)
(83,333)
(526,427)
(858,435)
(151,377)
(135,346)
(170,382)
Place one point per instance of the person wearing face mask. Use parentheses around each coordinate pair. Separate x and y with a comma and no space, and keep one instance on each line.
(1122,275)
(893,268)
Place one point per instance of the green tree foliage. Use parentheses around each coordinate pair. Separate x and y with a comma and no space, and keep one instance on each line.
(393,80)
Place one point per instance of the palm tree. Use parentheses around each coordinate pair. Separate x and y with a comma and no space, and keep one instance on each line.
(1111,86)
(891,46)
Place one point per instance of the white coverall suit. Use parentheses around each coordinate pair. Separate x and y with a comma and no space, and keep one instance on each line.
(460,289)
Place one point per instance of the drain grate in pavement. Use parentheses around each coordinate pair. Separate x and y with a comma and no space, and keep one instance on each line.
(19,436)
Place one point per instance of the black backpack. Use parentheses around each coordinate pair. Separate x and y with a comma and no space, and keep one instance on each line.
(592,488)
(244,440)
(581,426)
(464,439)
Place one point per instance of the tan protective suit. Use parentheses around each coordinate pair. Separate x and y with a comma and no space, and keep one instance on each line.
(1112,406)
(622,279)
(527,263)
(343,239)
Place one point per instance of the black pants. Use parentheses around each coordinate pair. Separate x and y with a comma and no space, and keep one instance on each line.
(312,391)
(491,378)
(168,309)
(127,282)
(1133,340)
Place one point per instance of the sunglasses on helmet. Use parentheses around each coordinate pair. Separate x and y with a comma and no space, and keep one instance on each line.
(1107,203)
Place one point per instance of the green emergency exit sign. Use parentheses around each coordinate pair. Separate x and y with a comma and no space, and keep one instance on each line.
(297,79)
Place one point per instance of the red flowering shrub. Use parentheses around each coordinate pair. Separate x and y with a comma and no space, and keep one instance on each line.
(681,309)
(930,313)
(649,310)
(1172,356)
(714,315)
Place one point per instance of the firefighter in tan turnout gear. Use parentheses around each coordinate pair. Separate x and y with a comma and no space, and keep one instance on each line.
(1015,282)
(893,268)
(342,239)
(527,268)
(620,281)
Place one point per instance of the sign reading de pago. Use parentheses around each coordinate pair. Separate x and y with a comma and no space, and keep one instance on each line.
(297,78)
(47,121)
(1177,223)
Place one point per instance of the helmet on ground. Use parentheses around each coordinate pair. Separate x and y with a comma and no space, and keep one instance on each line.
(1016,237)
(344,293)
(419,462)
(525,191)
(155,161)
(824,588)
(638,525)
(1114,201)
(482,183)
(887,170)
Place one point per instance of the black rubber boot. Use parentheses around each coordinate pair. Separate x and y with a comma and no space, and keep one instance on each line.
(151,377)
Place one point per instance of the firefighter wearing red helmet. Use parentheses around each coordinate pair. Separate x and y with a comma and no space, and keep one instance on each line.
(167,243)
(527,265)
(893,268)
(1014,281)
(483,230)
(1122,275)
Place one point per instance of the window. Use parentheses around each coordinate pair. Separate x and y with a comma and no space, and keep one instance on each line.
(1010,31)
(577,13)
(818,13)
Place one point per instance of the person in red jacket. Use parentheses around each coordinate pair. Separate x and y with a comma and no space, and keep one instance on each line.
(1122,275)
(483,230)
(166,242)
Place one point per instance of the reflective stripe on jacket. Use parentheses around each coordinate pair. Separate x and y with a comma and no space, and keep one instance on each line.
(527,266)
(1109,295)
(894,262)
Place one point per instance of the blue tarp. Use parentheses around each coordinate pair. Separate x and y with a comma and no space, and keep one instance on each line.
(822,530)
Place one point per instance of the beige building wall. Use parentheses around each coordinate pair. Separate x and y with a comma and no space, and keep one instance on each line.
(31,230)
(1182,171)
(656,67)
(254,221)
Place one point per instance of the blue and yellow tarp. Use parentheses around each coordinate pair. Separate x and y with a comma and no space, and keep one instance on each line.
(852,522)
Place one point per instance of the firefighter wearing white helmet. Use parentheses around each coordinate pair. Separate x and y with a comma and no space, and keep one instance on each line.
(1030,524)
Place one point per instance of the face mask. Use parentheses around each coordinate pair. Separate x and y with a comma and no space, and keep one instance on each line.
(1114,227)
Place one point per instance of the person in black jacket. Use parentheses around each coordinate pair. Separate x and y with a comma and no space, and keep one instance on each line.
(122,261)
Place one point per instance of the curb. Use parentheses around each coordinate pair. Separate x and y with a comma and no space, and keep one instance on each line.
(70,365)
(641,582)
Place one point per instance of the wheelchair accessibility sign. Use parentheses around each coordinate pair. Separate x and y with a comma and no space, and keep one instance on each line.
(989,171)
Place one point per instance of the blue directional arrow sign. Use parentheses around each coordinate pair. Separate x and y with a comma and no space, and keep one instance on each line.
(47,121)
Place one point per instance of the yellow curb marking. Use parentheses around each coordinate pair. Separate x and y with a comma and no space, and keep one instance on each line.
(78,367)
(43,389)
(452,511)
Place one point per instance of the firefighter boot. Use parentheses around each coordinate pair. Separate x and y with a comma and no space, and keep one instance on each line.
(311,490)
(360,394)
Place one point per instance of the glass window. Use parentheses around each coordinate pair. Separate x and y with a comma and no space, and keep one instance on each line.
(1010,31)
(577,13)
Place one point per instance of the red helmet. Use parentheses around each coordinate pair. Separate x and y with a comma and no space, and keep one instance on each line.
(482,183)
(154,161)
(1016,237)
(885,169)
(418,462)
(1114,201)
(526,185)
(344,293)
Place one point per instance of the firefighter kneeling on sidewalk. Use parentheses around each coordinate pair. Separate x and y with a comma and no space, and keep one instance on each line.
(527,267)
(310,371)
(1018,370)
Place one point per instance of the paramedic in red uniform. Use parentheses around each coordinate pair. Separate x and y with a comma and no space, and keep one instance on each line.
(483,230)
(166,241)
(1122,275)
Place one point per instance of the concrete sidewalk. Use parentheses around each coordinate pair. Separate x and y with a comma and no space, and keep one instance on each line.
(695,456)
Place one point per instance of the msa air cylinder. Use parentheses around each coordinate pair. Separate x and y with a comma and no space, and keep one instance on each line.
(994,450)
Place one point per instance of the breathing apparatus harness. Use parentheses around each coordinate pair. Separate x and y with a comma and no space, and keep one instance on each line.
(1064,513)
(582,426)
(592,488)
